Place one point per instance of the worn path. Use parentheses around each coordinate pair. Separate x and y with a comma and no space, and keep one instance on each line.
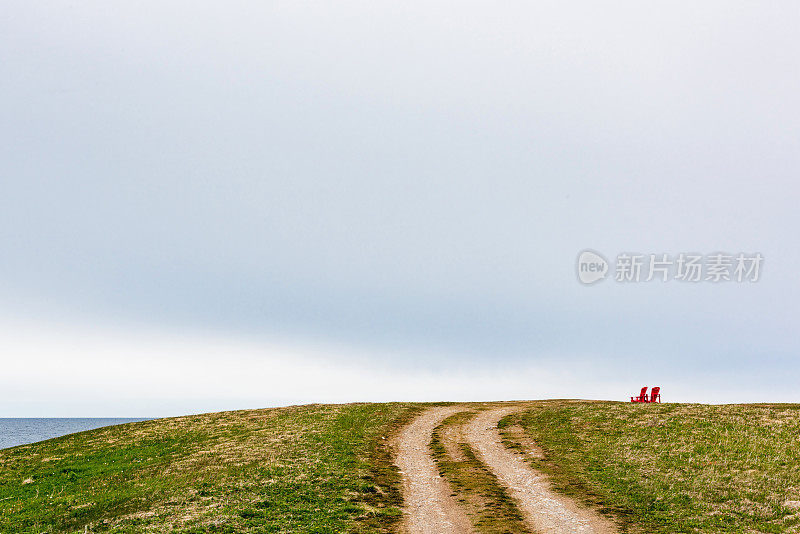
(429,505)
(545,511)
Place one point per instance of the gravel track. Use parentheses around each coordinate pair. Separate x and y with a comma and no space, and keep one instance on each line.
(429,505)
(544,510)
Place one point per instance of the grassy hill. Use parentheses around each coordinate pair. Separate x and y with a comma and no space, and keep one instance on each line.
(327,468)
(672,467)
(306,468)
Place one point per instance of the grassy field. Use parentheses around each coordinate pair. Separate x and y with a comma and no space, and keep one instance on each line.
(327,468)
(673,467)
(310,469)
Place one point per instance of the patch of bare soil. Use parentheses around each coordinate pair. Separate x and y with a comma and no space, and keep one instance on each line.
(528,446)
(452,437)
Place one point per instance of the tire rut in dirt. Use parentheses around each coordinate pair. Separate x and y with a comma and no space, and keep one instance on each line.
(429,507)
(545,511)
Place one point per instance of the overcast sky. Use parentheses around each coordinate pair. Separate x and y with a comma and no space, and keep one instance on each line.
(213,205)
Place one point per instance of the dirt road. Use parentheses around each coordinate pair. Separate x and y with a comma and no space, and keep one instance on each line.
(545,511)
(429,506)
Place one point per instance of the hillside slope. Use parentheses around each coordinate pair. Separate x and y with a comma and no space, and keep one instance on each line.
(307,468)
(671,467)
(329,469)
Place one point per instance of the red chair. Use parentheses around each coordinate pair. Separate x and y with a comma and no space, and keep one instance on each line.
(655,396)
(642,396)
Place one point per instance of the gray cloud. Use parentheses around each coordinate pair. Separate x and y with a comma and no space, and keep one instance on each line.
(409,176)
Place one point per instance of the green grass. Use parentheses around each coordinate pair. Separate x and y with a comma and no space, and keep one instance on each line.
(327,468)
(674,467)
(299,469)
(486,502)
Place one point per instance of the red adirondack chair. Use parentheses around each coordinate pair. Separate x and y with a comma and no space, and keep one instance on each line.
(642,396)
(655,396)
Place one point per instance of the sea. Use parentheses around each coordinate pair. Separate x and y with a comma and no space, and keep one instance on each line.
(21,431)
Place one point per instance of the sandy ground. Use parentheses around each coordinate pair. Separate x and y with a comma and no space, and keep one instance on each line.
(429,505)
(544,510)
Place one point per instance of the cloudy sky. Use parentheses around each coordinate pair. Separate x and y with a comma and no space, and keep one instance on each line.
(210,205)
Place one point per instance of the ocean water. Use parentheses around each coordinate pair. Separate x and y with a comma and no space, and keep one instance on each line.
(15,432)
